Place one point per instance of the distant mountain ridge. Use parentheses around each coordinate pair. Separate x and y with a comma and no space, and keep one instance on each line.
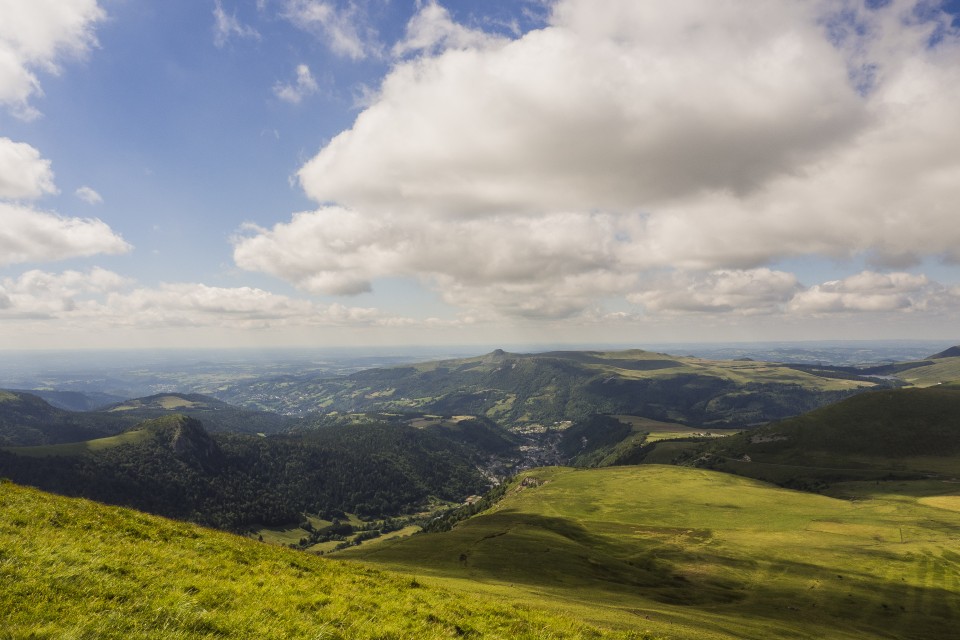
(952,352)
(28,420)
(545,388)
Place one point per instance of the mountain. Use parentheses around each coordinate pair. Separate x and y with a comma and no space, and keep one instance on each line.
(940,368)
(171,466)
(26,419)
(522,390)
(75,400)
(906,433)
(77,569)
(952,352)
(695,554)
(215,414)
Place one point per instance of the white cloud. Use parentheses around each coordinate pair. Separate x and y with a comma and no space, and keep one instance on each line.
(36,35)
(23,173)
(227,26)
(100,299)
(871,292)
(741,292)
(41,294)
(344,29)
(29,235)
(583,115)
(432,29)
(706,137)
(304,86)
(548,265)
(88,195)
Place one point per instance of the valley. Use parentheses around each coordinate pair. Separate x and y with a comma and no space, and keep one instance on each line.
(622,494)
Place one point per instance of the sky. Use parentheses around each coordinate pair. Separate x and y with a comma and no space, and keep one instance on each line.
(264,173)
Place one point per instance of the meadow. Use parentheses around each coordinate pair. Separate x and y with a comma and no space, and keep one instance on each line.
(692,553)
(72,568)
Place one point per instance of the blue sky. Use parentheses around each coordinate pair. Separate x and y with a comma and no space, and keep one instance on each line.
(319,172)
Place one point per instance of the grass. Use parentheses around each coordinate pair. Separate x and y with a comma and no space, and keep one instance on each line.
(692,553)
(163,402)
(735,371)
(657,430)
(942,370)
(71,449)
(75,569)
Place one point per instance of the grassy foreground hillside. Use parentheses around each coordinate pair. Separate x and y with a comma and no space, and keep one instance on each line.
(692,553)
(76,569)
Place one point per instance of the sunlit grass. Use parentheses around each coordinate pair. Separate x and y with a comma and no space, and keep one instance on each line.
(75,569)
(699,554)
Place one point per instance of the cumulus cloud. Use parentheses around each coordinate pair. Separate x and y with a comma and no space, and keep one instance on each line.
(88,195)
(24,174)
(345,29)
(227,26)
(29,235)
(696,136)
(102,298)
(872,292)
(746,292)
(620,113)
(42,294)
(305,85)
(36,36)
(432,29)
(549,265)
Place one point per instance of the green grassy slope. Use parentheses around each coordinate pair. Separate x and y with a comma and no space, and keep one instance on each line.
(937,372)
(698,554)
(75,569)
(69,449)
(903,432)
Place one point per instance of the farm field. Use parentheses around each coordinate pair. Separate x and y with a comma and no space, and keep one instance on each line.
(657,430)
(691,553)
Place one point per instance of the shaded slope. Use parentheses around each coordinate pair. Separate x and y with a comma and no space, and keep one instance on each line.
(171,466)
(215,414)
(903,433)
(952,352)
(26,419)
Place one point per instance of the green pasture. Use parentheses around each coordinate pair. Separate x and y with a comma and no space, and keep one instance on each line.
(691,553)
(79,448)
(739,372)
(941,371)
(657,430)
